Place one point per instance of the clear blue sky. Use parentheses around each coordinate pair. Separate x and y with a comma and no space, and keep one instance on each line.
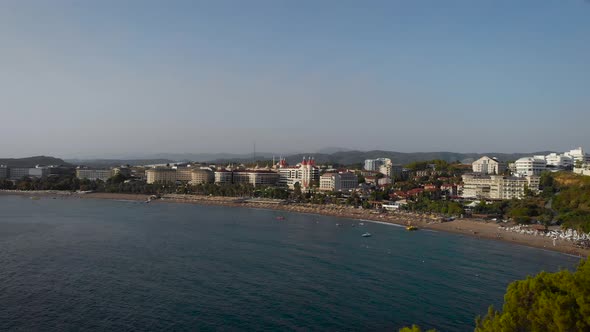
(110,78)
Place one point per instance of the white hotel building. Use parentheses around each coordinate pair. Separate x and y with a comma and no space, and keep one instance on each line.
(341,181)
(305,173)
(253,177)
(529,166)
(487,165)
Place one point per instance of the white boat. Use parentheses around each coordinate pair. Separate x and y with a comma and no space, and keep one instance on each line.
(366,235)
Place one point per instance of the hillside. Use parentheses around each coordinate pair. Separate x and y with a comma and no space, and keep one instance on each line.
(105,163)
(32,161)
(354,157)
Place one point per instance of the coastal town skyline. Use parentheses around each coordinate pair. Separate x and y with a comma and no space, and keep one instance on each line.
(286,165)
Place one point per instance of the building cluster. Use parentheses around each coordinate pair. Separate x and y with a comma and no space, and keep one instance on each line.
(305,174)
(101,174)
(535,165)
(491,179)
(488,177)
(39,171)
(384,166)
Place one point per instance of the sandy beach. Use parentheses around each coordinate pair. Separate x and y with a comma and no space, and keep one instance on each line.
(468,227)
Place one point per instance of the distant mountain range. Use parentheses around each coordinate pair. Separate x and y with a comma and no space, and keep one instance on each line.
(32,161)
(355,157)
(349,157)
(106,163)
(340,157)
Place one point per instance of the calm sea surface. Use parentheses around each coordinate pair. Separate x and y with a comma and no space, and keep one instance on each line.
(72,265)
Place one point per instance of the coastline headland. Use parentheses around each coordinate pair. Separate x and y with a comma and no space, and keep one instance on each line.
(469,227)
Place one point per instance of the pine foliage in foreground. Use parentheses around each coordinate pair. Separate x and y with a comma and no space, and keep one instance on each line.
(546,302)
(555,302)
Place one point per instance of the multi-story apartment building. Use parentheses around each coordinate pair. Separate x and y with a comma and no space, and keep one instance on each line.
(253,177)
(529,166)
(578,155)
(202,176)
(487,165)
(160,175)
(382,165)
(39,171)
(94,174)
(3,172)
(305,173)
(123,170)
(17,173)
(483,186)
(397,171)
(562,161)
(183,173)
(341,181)
(223,176)
(262,178)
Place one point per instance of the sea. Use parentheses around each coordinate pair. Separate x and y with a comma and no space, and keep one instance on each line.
(69,264)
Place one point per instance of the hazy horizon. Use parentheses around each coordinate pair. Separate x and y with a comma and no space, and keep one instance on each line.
(114,78)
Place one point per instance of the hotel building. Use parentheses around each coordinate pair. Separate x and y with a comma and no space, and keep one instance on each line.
(94,174)
(305,173)
(483,186)
(199,176)
(341,181)
(529,166)
(487,165)
(160,175)
(253,177)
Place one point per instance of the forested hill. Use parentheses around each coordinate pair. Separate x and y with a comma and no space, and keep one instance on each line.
(32,161)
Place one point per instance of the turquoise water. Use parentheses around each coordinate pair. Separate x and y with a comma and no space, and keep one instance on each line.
(71,265)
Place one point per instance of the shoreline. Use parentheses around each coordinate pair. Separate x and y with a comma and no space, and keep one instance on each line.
(469,227)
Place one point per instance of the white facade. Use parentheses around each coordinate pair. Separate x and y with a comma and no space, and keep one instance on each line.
(584,170)
(199,176)
(253,177)
(305,173)
(498,186)
(381,165)
(341,181)
(93,174)
(529,166)
(160,175)
(578,155)
(487,165)
(559,160)
(183,173)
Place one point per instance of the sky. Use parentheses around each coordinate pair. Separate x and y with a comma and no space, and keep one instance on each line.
(120,78)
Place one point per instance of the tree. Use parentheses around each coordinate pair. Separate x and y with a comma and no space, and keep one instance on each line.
(414,328)
(546,302)
(297,191)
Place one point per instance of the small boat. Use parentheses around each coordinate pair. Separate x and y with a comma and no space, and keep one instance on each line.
(280,218)
(35,198)
(366,235)
(411,228)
